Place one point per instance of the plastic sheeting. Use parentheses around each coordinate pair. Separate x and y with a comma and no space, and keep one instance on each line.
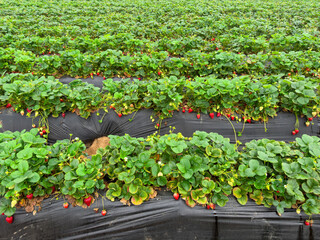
(139,125)
(159,218)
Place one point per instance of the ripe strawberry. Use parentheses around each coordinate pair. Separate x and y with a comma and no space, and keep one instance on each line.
(8,105)
(183,110)
(190,110)
(2,213)
(218,114)
(53,189)
(310,119)
(248,120)
(191,64)
(103,212)
(278,191)
(293,132)
(212,206)
(66,205)
(104,78)
(63,115)
(29,110)
(41,133)
(208,207)
(159,73)
(9,219)
(30,196)
(228,115)
(211,115)
(307,223)
(297,131)
(88,200)
(61,99)
(217,48)
(98,74)
(289,74)
(44,131)
(139,78)
(120,114)
(32,73)
(198,115)
(158,125)
(176,196)
(232,118)
(213,39)
(91,74)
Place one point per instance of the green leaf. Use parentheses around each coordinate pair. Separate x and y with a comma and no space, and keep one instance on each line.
(23,166)
(25,153)
(133,189)
(90,183)
(34,178)
(81,171)
(162,181)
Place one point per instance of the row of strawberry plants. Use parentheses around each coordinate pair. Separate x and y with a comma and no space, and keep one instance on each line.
(252,98)
(194,63)
(129,44)
(204,169)
(158,19)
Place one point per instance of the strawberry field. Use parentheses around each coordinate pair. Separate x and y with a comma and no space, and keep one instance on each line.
(137,70)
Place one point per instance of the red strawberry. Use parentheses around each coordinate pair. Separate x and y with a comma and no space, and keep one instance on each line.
(228,115)
(98,74)
(248,120)
(158,125)
(29,110)
(293,132)
(191,64)
(44,131)
(232,118)
(30,196)
(208,206)
(310,119)
(53,189)
(297,131)
(183,110)
(41,133)
(139,78)
(120,114)
(88,200)
(198,115)
(218,114)
(212,39)
(104,78)
(289,74)
(217,48)
(190,110)
(211,115)
(159,73)
(61,99)
(212,206)
(9,219)
(32,73)
(103,212)
(8,105)
(91,74)
(66,205)
(307,223)
(278,191)
(63,115)
(2,213)
(176,196)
